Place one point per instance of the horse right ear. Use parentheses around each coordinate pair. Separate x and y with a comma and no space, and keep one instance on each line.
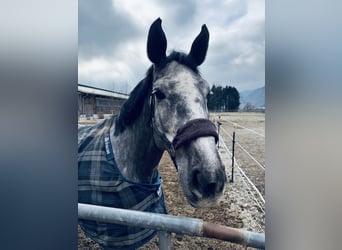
(156,43)
(200,46)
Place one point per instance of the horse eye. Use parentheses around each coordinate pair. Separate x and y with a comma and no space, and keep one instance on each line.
(160,95)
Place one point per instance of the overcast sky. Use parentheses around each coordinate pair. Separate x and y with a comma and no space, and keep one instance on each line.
(112,40)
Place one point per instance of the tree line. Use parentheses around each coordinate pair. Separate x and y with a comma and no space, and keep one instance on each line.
(223,99)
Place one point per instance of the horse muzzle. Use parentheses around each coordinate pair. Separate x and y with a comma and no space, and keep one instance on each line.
(201,171)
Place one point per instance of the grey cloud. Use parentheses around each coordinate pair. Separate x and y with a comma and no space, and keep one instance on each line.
(102,28)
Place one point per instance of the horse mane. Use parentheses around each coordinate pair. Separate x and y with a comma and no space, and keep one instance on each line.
(133,107)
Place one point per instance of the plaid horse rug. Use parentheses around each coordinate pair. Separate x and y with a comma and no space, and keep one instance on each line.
(101,183)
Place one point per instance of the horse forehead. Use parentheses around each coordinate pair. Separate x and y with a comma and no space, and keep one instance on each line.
(180,75)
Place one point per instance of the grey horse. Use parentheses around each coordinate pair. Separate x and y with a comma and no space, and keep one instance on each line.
(167,111)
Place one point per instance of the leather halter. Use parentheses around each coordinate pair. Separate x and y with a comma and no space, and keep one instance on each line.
(191,130)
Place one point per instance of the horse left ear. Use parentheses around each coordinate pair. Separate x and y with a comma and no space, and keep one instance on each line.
(200,46)
(156,42)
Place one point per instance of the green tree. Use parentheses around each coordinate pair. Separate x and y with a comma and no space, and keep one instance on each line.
(231,99)
(223,99)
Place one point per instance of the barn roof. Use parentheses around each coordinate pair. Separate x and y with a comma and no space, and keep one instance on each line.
(103,92)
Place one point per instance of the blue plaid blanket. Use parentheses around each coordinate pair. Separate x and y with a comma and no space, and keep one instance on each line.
(101,183)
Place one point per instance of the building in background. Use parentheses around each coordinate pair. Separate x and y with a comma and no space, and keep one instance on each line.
(95,101)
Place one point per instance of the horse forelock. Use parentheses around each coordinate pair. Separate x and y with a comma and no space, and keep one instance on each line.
(133,107)
(183,59)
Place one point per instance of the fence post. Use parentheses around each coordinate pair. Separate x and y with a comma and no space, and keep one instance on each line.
(218,131)
(164,240)
(233,157)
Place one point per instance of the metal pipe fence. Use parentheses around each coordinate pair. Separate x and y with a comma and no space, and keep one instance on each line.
(166,224)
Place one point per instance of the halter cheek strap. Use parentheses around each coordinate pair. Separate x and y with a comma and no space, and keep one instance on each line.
(168,145)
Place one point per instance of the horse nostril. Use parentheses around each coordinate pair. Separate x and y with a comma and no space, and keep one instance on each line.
(204,184)
(196,178)
(210,189)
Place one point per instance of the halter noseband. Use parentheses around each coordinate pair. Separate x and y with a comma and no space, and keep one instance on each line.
(191,130)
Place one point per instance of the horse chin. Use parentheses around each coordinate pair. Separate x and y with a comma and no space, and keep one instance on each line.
(193,196)
(204,203)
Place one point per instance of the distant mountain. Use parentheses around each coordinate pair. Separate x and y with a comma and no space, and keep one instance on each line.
(256,97)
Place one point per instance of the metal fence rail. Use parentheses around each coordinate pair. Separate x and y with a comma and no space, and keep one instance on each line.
(166,224)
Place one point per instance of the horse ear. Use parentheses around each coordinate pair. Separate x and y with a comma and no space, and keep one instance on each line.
(156,42)
(200,46)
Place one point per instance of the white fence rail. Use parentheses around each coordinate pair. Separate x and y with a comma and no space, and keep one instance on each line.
(165,224)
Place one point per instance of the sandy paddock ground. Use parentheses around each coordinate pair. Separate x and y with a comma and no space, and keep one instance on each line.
(251,138)
(237,209)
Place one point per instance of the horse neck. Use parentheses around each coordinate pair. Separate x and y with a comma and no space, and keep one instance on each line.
(135,151)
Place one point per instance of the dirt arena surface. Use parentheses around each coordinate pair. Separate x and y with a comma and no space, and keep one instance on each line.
(238,208)
(249,131)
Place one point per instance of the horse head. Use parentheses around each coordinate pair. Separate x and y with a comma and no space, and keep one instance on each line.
(180,117)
